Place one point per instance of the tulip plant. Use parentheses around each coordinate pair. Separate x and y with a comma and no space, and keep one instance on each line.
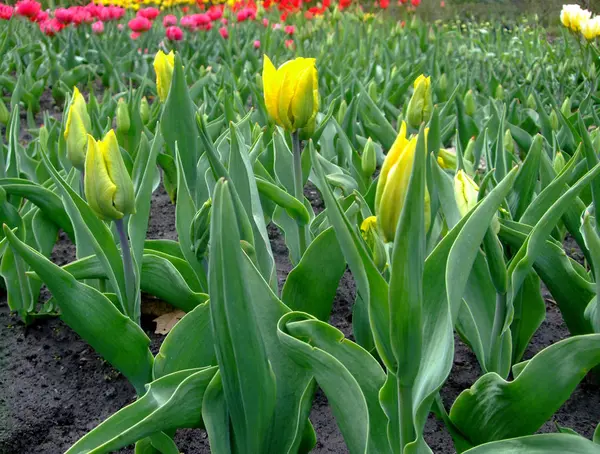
(448,192)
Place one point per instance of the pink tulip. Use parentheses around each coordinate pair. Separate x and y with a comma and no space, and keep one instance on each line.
(257,44)
(224,32)
(63,15)
(149,13)
(290,29)
(98,27)
(169,20)
(28,8)
(134,35)
(289,43)
(139,24)
(6,11)
(174,33)
(265,22)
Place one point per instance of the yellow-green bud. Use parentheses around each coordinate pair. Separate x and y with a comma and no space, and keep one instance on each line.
(558,163)
(447,159)
(595,137)
(466,192)
(200,229)
(123,123)
(108,186)
(499,92)
(509,144)
(43,137)
(145,110)
(420,106)
(469,153)
(4,113)
(77,128)
(469,103)
(554,120)
(443,87)
(566,107)
(369,159)
(372,90)
(341,113)
(163,66)
(531,102)
(370,234)
(392,185)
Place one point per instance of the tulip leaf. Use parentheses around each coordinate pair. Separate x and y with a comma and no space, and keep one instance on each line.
(495,409)
(216,417)
(188,345)
(171,402)
(538,444)
(323,266)
(292,206)
(93,316)
(526,180)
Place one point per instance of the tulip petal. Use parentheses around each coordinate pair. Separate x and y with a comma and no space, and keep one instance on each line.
(390,159)
(302,107)
(271,88)
(288,73)
(123,198)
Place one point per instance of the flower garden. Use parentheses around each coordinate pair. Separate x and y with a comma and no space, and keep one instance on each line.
(291,227)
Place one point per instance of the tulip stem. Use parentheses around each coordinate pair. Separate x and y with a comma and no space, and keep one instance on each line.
(405,409)
(299,185)
(130,305)
(499,317)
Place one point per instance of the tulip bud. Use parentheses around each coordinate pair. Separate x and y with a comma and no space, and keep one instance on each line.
(466,192)
(499,92)
(200,230)
(369,159)
(554,120)
(566,107)
(558,163)
(447,159)
(77,127)
(420,106)
(4,113)
(595,136)
(292,93)
(392,185)
(43,137)
(469,153)
(123,123)
(370,234)
(108,186)
(531,104)
(469,103)
(372,90)
(443,87)
(509,144)
(341,113)
(163,66)
(145,110)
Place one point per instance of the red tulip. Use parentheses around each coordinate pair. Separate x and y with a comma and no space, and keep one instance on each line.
(415,3)
(134,35)
(289,43)
(63,15)
(149,13)
(98,27)
(201,19)
(50,27)
(290,29)
(188,22)
(384,4)
(28,8)
(174,33)
(42,16)
(139,25)
(224,32)
(169,20)
(6,12)
(215,13)
(442,4)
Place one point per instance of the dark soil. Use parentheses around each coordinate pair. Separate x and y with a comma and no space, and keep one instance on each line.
(54,388)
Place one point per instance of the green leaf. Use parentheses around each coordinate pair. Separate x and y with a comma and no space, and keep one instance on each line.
(538,444)
(293,207)
(188,345)
(322,265)
(93,316)
(494,409)
(248,380)
(526,180)
(171,402)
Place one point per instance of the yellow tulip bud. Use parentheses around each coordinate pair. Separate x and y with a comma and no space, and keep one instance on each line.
(466,192)
(77,128)
(590,28)
(566,107)
(392,185)
(447,159)
(420,106)
(369,159)
(499,92)
(108,186)
(4,113)
(559,162)
(292,93)
(554,120)
(163,66)
(470,103)
(573,16)
(370,234)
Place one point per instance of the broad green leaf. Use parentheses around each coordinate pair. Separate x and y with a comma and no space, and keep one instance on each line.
(538,444)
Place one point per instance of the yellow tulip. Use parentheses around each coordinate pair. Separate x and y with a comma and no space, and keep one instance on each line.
(572,16)
(420,106)
(447,159)
(370,234)
(77,128)
(392,185)
(292,93)
(108,186)
(163,66)
(466,192)
(590,29)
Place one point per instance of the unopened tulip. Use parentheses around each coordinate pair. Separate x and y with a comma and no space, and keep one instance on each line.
(590,28)
(369,159)
(469,103)
(77,128)
(108,186)
(370,234)
(123,122)
(558,163)
(145,110)
(466,192)
(163,66)
(292,93)
(174,33)
(98,27)
(392,185)
(572,16)
(420,106)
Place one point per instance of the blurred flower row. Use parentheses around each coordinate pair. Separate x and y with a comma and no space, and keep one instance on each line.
(580,20)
